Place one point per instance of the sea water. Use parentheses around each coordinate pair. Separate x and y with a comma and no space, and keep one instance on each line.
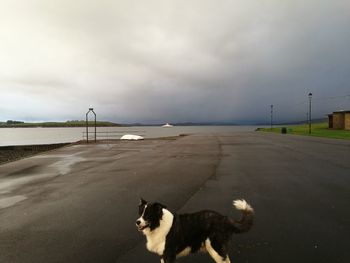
(28,136)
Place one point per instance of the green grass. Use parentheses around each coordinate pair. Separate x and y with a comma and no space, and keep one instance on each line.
(318,129)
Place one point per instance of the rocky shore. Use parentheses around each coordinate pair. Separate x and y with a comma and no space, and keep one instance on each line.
(11,153)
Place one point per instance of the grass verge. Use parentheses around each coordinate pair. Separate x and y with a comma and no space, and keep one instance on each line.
(318,130)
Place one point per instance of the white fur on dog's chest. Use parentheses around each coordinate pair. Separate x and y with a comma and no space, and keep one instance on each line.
(156,246)
(156,239)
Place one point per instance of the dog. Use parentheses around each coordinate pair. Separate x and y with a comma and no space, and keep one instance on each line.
(172,236)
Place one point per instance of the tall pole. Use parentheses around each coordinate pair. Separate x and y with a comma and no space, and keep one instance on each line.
(95,124)
(271,117)
(87,124)
(87,127)
(310,98)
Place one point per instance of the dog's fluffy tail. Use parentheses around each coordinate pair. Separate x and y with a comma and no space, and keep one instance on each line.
(247,219)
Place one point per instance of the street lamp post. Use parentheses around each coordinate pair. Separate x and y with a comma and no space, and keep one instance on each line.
(310,98)
(271,117)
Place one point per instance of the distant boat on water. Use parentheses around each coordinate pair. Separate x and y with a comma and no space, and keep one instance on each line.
(167,125)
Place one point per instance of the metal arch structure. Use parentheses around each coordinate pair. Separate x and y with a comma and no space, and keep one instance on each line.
(87,124)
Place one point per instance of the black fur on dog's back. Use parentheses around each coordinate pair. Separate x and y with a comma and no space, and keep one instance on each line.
(192,230)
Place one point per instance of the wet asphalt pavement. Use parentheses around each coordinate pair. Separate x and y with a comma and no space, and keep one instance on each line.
(79,203)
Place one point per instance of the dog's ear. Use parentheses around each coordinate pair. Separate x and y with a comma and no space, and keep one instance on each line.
(142,202)
(159,209)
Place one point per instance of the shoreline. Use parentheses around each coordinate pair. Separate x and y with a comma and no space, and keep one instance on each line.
(16,152)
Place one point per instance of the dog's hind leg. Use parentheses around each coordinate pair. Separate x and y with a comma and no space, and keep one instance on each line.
(227,260)
(167,259)
(215,254)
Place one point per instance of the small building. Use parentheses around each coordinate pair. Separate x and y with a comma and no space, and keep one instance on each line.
(339,120)
(347,120)
(330,121)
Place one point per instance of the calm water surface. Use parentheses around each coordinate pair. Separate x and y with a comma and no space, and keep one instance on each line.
(27,136)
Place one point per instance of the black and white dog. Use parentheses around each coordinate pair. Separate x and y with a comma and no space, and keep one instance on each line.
(171,236)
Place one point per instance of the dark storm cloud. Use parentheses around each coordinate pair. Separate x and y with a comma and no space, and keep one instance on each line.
(157,61)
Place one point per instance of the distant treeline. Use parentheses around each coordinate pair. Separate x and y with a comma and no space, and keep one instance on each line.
(10,122)
(75,123)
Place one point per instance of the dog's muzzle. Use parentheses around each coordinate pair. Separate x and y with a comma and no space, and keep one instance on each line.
(140,226)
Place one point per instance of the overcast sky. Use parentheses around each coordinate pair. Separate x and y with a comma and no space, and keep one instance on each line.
(173,61)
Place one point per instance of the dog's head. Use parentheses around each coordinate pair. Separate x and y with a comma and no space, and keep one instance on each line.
(150,215)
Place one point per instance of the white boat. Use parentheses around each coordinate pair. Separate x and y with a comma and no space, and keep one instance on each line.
(131,137)
(167,125)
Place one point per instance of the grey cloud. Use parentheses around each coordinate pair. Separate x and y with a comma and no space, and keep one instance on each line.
(151,61)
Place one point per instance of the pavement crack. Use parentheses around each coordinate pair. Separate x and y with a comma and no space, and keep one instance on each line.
(213,176)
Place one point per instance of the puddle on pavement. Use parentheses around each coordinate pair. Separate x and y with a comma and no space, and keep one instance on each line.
(25,171)
(65,166)
(10,201)
(27,175)
(9,185)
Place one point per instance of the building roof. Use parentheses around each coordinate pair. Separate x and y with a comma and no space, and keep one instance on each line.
(342,111)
